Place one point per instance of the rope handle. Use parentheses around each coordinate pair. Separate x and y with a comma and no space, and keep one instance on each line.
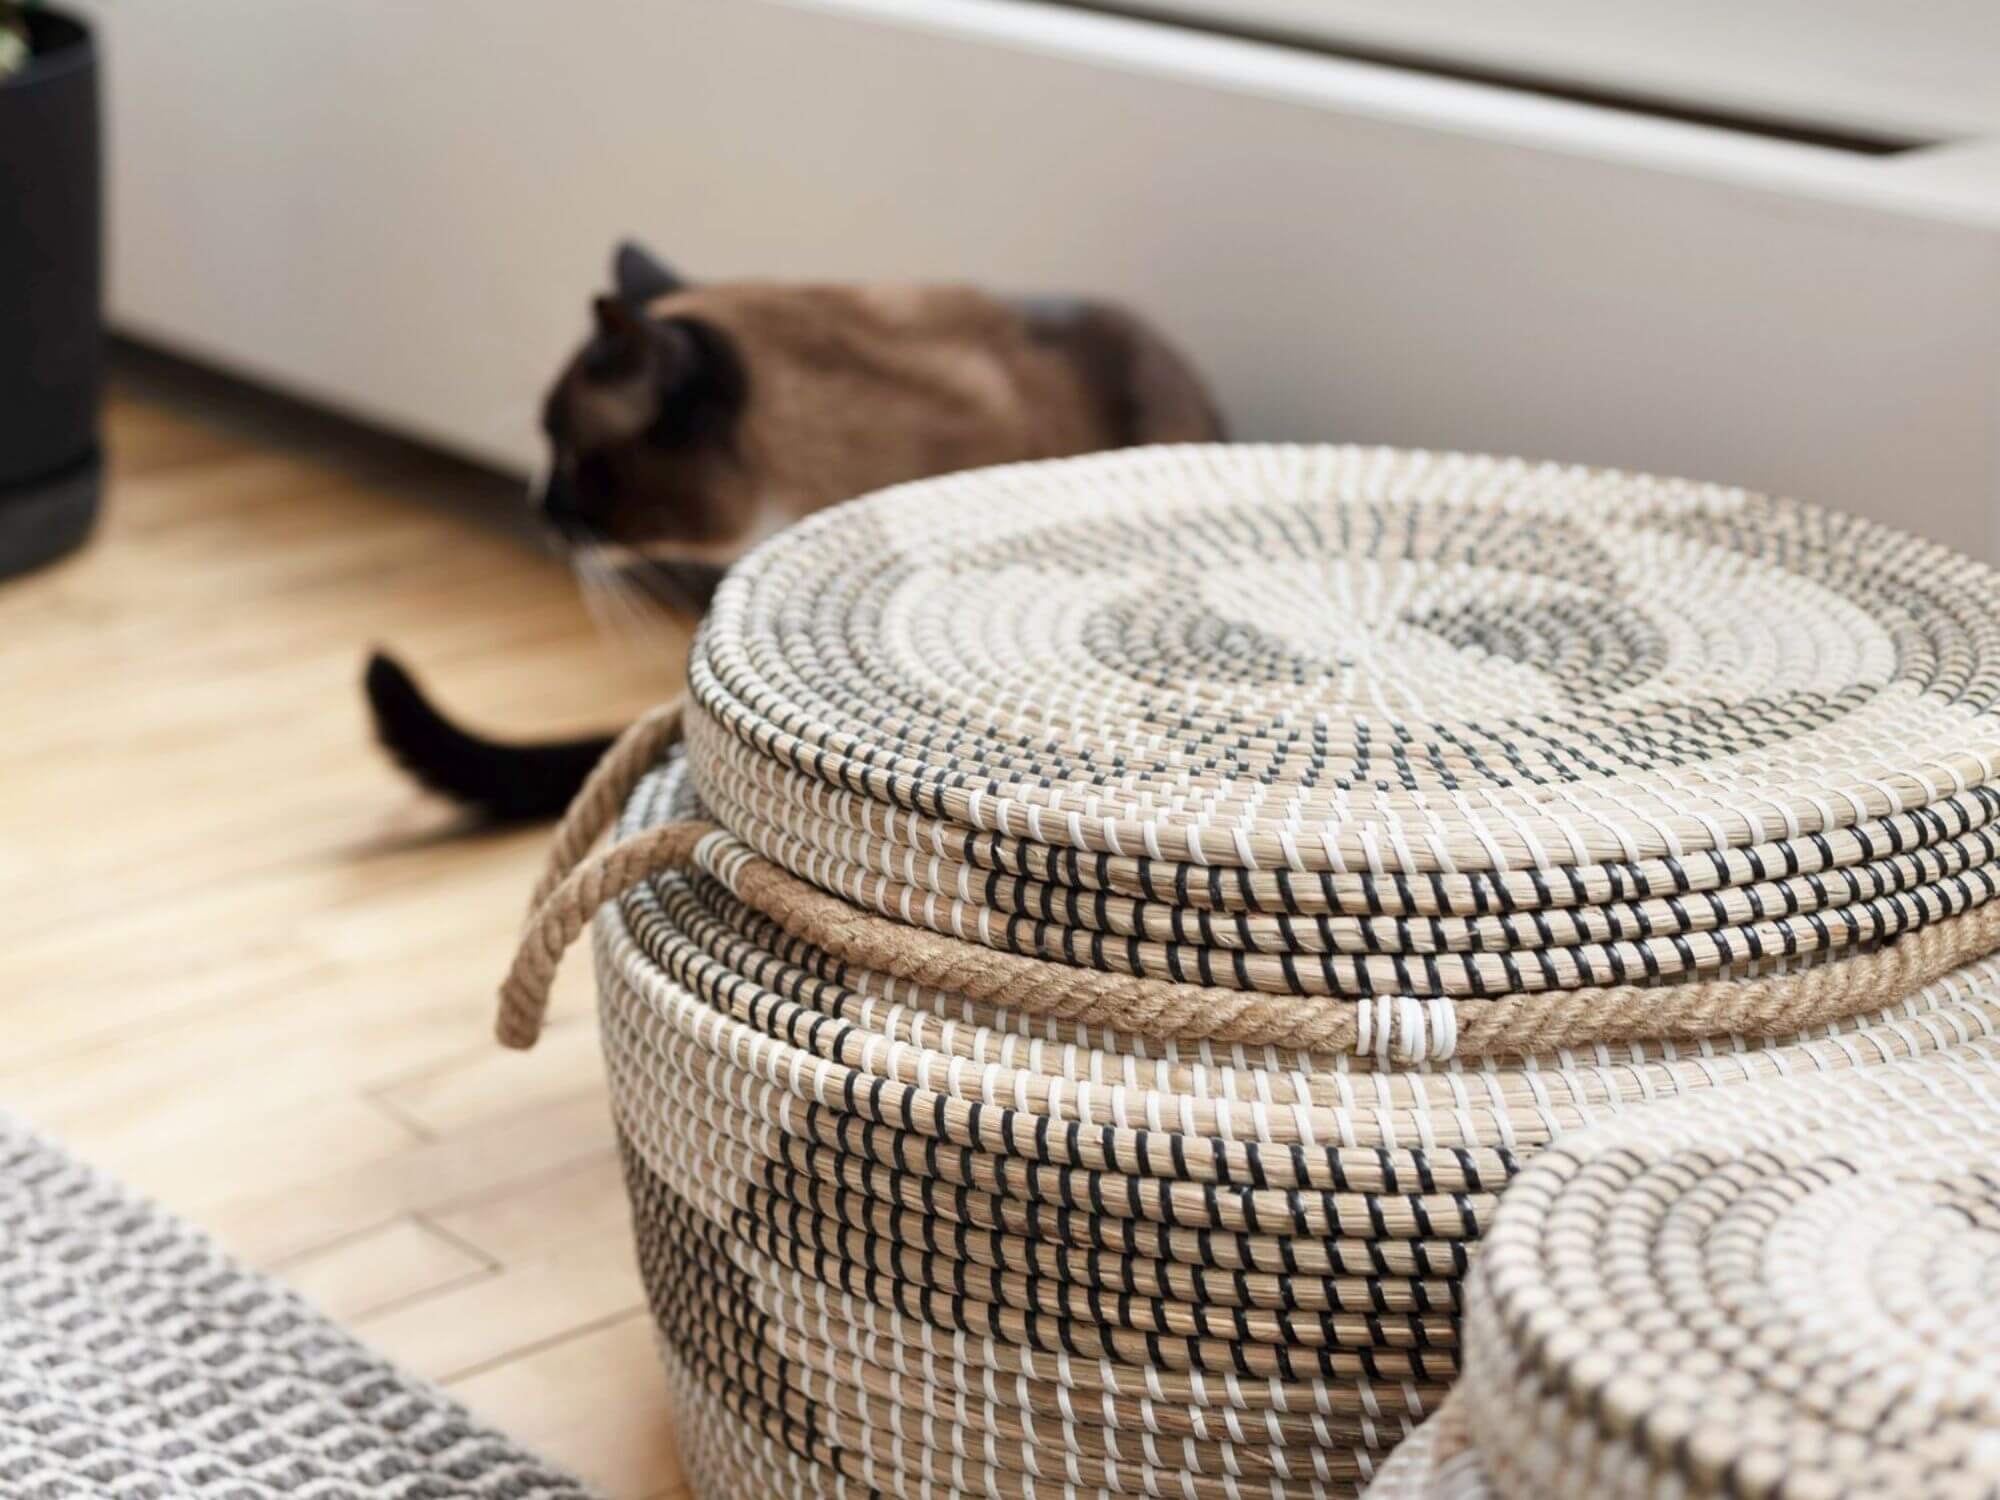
(604,792)
(566,882)
(572,888)
(568,908)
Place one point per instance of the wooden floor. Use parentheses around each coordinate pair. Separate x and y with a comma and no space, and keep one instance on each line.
(245,967)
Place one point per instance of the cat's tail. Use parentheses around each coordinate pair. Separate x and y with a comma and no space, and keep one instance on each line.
(512,783)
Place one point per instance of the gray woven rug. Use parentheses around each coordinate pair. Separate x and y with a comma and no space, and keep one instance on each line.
(137,1360)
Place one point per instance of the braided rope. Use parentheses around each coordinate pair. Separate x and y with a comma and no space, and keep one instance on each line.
(596,804)
(604,792)
(524,996)
(1766,1006)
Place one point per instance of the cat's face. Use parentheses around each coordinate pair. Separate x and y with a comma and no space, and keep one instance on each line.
(696,420)
(642,428)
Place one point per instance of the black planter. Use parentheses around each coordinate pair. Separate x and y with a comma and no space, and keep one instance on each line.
(51,336)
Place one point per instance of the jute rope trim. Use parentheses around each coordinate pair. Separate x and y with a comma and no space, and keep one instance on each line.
(604,792)
(684,933)
(684,942)
(1418,970)
(573,887)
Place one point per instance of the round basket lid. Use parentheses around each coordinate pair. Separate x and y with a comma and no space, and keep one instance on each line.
(1788,1291)
(1361,660)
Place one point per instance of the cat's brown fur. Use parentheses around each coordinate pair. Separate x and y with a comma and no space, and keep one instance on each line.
(804,395)
(697,420)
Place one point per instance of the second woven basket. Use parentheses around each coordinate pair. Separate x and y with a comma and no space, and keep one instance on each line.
(1119,924)
(1786,1292)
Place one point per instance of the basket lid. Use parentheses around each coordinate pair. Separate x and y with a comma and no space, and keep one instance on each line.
(1361,659)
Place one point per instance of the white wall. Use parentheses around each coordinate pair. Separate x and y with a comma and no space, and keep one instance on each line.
(400,207)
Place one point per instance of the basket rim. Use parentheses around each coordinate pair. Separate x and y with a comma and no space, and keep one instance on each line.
(1476,830)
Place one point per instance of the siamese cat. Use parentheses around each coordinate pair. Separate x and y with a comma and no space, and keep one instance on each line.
(696,420)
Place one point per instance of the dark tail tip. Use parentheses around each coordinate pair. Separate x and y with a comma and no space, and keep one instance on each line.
(394,698)
(511,783)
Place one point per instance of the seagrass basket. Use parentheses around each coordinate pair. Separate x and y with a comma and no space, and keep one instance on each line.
(1789,1291)
(1116,926)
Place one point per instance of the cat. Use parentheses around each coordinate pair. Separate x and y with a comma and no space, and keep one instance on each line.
(696,420)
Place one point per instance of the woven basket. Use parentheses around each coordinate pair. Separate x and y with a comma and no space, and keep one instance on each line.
(1787,1291)
(1118,925)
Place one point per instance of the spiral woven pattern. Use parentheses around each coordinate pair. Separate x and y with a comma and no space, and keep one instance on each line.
(1358,722)
(1787,1292)
(1118,927)
(879,1223)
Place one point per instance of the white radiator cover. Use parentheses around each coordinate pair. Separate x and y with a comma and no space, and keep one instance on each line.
(1907,68)
(400,207)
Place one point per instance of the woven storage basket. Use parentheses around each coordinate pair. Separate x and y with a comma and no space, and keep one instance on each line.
(1789,1291)
(1119,924)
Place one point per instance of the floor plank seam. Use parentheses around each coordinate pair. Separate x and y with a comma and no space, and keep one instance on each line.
(637,1309)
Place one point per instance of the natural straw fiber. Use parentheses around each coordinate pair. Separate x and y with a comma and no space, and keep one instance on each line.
(1352,659)
(1436,1462)
(1784,1292)
(1118,926)
(870,1190)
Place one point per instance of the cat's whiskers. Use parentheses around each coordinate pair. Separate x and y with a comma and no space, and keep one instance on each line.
(591,587)
(627,623)
(621,607)
(651,622)
(658,574)
(599,597)
(653,586)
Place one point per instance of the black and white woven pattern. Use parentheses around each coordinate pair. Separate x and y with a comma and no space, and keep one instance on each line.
(139,1362)
(900,1242)
(1785,1293)
(1119,927)
(1362,723)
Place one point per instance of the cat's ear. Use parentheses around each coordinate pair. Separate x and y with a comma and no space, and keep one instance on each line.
(617,320)
(641,276)
(628,340)
(678,358)
(618,347)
